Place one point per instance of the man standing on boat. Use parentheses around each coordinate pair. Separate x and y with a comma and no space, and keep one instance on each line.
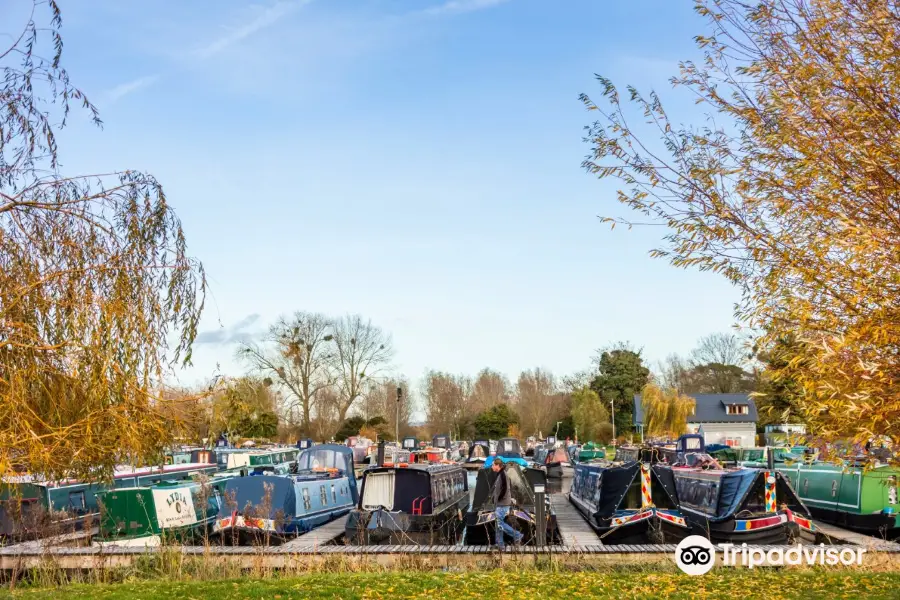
(502,496)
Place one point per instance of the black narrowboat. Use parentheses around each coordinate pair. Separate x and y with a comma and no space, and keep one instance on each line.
(627,503)
(480,526)
(415,504)
(737,506)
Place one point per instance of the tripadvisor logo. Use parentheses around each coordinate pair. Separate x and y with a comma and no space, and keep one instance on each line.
(696,555)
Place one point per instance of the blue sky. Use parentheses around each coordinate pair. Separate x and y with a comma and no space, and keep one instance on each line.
(417,162)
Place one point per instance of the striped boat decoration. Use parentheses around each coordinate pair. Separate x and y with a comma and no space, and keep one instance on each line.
(665,516)
(756,524)
(633,518)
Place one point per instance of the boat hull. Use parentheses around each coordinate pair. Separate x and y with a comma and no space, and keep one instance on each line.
(484,534)
(380,527)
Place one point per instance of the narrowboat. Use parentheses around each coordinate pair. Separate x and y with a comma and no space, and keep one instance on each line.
(478,452)
(361,446)
(480,519)
(509,450)
(275,508)
(438,452)
(417,504)
(627,503)
(274,457)
(182,511)
(551,458)
(590,451)
(849,495)
(738,505)
(32,507)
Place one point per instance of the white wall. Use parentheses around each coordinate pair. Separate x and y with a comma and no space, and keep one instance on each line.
(715,433)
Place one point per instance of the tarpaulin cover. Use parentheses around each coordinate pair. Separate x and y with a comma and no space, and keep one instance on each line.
(518,484)
(664,479)
(734,487)
(718,495)
(614,484)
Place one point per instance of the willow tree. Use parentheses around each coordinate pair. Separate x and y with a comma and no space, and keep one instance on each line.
(98,297)
(791,190)
(665,411)
(590,416)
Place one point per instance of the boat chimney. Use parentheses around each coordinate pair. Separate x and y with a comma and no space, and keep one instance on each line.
(380,457)
(770,458)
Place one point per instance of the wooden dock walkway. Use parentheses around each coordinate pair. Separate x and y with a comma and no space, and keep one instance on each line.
(573,528)
(836,534)
(319,536)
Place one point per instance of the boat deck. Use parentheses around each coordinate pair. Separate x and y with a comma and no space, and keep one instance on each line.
(573,528)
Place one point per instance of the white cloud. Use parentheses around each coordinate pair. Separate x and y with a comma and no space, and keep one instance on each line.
(120,91)
(462,6)
(269,16)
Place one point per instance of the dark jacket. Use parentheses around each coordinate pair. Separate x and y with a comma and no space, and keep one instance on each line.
(502,495)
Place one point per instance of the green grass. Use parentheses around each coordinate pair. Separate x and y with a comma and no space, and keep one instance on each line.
(530,585)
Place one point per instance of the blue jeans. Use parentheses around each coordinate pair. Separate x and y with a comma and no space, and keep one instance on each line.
(502,526)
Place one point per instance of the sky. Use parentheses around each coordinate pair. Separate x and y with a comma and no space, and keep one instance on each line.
(413,161)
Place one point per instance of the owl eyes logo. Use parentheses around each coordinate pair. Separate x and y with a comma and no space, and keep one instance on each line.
(695,555)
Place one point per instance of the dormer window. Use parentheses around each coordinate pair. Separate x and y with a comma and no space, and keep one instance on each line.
(737,409)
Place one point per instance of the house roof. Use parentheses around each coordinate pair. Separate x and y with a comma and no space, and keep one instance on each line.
(710,409)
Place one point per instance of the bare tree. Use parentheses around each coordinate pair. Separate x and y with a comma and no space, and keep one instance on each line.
(299,352)
(721,348)
(673,373)
(537,401)
(326,414)
(447,401)
(362,352)
(380,400)
(490,389)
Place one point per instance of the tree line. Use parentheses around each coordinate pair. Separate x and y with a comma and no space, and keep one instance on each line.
(322,377)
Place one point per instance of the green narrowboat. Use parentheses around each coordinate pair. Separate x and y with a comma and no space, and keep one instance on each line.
(258,458)
(591,451)
(849,495)
(145,516)
(31,507)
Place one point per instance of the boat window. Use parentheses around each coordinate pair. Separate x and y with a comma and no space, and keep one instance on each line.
(378,490)
(833,488)
(333,493)
(323,495)
(76,501)
(806,486)
(307,504)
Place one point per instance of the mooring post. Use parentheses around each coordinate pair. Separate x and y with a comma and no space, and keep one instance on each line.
(540,516)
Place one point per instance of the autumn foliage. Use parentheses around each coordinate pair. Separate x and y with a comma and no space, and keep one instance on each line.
(98,297)
(791,190)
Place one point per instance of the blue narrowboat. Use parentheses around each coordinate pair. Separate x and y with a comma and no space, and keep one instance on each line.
(278,507)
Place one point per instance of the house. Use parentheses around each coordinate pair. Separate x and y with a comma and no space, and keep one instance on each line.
(728,419)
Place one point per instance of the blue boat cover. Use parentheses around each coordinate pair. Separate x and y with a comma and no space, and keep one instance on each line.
(733,488)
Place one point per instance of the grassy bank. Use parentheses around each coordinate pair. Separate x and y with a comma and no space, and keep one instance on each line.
(768,584)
